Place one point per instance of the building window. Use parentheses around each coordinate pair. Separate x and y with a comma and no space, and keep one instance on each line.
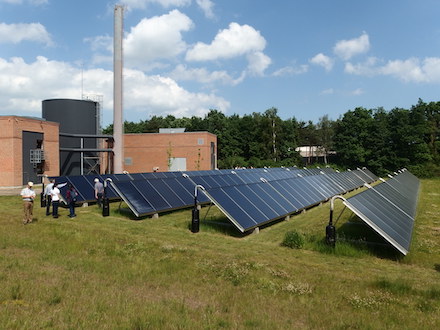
(200,141)
(128,161)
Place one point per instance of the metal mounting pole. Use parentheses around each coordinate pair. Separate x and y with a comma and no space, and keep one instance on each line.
(105,200)
(195,221)
(330,230)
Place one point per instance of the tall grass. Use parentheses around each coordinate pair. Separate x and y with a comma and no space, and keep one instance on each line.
(116,273)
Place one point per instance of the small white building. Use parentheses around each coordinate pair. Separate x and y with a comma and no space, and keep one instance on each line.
(314,154)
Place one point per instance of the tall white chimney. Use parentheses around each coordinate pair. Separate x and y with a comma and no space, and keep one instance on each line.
(118,121)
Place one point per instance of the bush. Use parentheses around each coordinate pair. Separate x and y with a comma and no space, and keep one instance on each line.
(293,240)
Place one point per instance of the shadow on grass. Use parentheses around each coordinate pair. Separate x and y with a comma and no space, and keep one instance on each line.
(355,234)
(221,226)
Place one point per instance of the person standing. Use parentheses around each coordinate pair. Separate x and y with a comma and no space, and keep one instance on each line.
(28,196)
(71,196)
(47,195)
(99,191)
(55,196)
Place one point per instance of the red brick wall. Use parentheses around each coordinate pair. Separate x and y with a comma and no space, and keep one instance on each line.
(148,151)
(11,148)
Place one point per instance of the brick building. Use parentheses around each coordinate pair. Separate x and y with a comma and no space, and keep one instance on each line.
(170,150)
(28,147)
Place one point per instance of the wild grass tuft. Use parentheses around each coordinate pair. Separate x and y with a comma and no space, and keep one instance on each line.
(16,292)
(397,286)
(293,239)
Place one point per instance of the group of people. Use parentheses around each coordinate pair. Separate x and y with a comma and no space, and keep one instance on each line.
(52,197)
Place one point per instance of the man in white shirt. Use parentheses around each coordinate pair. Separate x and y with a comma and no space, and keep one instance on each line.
(28,196)
(55,195)
(47,196)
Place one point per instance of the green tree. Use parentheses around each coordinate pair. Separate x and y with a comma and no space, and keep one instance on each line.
(351,138)
(324,135)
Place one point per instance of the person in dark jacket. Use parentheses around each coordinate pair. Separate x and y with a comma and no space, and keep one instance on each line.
(71,196)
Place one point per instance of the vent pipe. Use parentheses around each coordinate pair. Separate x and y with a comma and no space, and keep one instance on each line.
(118,122)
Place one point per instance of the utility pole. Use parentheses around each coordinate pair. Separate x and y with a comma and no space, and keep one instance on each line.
(274,137)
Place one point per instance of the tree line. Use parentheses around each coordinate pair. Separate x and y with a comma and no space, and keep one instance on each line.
(383,141)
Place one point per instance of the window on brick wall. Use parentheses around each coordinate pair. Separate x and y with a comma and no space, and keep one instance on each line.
(128,161)
(200,141)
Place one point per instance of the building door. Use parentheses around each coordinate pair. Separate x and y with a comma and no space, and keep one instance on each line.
(33,158)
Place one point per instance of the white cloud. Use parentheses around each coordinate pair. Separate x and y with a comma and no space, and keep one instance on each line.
(322,60)
(207,7)
(25,85)
(346,49)
(202,75)
(142,4)
(414,70)
(409,70)
(258,63)
(367,68)
(157,95)
(156,38)
(291,70)
(16,33)
(358,91)
(328,91)
(235,41)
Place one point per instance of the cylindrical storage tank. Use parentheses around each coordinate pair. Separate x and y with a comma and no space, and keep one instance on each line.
(75,117)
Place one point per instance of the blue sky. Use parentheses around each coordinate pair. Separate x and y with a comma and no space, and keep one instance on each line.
(307,58)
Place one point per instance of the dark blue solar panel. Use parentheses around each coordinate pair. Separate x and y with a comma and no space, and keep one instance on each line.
(260,201)
(291,194)
(151,195)
(280,205)
(228,202)
(323,185)
(186,196)
(133,197)
(310,195)
(171,198)
(205,181)
(389,221)
(189,186)
(364,177)
(85,186)
(338,181)
(389,209)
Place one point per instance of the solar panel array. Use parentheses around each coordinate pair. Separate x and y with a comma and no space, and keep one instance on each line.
(390,208)
(251,198)
(248,197)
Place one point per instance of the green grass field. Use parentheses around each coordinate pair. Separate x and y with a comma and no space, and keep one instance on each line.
(118,273)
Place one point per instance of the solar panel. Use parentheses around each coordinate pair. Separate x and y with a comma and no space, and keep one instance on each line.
(133,198)
(248,197)
(389,208)
(250,205)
